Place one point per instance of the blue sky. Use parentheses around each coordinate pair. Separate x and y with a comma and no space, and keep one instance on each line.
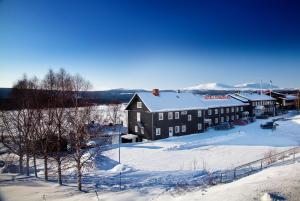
(152,44)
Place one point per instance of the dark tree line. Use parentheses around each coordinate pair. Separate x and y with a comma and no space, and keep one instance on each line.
(48,116)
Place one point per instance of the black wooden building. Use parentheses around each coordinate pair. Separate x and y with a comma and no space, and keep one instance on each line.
(160,115)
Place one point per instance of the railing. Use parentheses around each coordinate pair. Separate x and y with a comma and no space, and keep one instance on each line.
(257,165)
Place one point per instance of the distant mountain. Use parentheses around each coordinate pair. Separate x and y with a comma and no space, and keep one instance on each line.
(225,87)
(210,86)
(255,86)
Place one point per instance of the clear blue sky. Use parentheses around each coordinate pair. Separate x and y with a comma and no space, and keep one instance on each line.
(147,44)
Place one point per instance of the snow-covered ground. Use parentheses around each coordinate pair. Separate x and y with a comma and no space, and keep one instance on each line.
(152,170)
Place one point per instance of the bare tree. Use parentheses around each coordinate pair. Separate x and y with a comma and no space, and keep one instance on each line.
(17,125)
(79,116)
(114,112)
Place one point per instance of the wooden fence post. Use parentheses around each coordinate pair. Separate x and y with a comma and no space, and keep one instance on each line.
(234,173)
(261,162)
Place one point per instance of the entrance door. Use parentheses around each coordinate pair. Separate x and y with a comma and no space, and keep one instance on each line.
(170,131)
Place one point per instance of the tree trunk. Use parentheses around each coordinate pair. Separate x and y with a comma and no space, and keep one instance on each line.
(79,176)
(27,165)
(46,166)
(59,171)
(34,165)
(21,164)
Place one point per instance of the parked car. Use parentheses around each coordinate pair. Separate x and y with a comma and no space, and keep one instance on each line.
(251,119)
(269,125)
(240,122)
(224,126)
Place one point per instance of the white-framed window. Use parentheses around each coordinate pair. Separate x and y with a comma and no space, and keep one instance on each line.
(183,128)
(209,111)
(157,131)
(227,118)
(170,115)
(199,113)
(232,117)
(183,112)
(142,130)
(237,117)
(237,109)
(216,120)
(242,109)
(160,116)
(177,129)
(222,110)
(189,117)
(136,129)
(216,111)
(176,115)
(227,110)
(138,116)
(222,119)
(199,126)
(139,104)
(232,109)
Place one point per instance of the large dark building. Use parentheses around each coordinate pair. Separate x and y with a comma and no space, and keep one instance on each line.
(160,115)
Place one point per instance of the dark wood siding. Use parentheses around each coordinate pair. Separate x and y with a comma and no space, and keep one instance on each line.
(191,126)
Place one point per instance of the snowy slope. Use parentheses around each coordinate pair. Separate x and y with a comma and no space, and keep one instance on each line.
(255,86)
(210,86)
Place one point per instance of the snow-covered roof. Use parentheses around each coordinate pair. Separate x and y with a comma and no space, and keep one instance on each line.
(228,102)
(171,101)
(290,97)
(254,96)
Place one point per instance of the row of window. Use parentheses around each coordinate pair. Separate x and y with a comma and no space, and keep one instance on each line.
(227,118)
(232,109)
(177,129)
(177,115)
(258,103)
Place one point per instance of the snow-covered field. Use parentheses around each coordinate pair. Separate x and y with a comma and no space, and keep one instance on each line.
(153,170)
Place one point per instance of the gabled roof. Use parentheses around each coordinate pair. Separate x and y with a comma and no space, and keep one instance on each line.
(170,101)
(228,102)
(254,96)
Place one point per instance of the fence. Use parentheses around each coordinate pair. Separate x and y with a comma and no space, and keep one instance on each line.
(255,166)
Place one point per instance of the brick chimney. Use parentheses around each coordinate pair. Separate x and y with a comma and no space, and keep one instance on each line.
(155,92)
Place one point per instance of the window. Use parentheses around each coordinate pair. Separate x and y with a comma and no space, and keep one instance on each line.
(160,116)
(189,117)
(222,119)
(199,126)
(237,109)
(136,129)
(199,113)
(209,112)
(176,115)
(139,104)
(222,110)
(138,116)
(232,109)
(157,131)
(227,118)
(242,109)
(216,111)
(177,129)
(216,120)
(237,117)
(184,113)
(142,130)
(170,115)
(232,117)
(183,128)
(227,110)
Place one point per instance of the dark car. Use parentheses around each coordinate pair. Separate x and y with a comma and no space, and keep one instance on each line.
(224,126)
(268,125)
(251,119)
(263,116)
